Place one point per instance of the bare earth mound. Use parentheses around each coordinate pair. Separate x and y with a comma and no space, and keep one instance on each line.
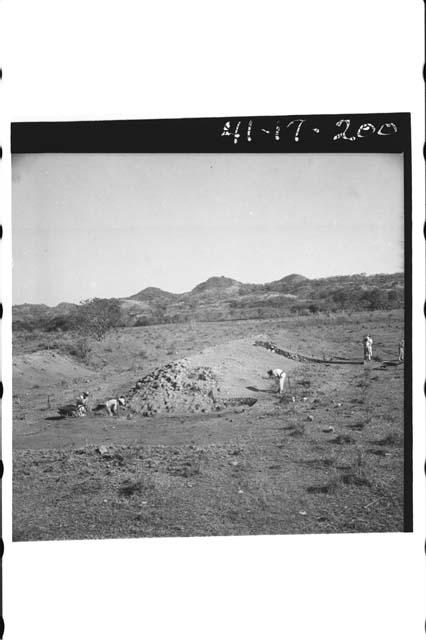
(45,367)
(241,367)
(228,375)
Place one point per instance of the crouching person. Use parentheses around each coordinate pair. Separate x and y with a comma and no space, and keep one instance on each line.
(114,404)
(83,400)
(72,411)
(111,406)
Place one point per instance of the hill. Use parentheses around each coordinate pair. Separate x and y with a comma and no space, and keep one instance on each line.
(222,298)
(293,279)
(152,293)
(216,284)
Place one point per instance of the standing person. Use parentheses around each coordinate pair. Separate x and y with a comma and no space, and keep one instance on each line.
(368,347)
(401,350)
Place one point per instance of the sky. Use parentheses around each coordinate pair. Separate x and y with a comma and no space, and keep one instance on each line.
(109,225)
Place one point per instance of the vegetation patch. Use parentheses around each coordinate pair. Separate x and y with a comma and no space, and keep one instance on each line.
(131,487)
(343,439)
(391,440)
(356,426)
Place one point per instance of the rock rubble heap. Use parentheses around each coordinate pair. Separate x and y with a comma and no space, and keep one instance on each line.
(176,388)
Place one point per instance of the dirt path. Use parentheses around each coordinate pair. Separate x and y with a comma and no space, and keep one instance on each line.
(179,430)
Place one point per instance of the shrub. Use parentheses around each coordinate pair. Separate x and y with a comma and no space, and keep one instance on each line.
(94,318)
(80,349)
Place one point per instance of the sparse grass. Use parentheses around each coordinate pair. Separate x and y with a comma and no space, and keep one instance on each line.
(356,426)
(80,349)
(131,487)
(344,439)
(328,488)
(304,383)
(355,478)
(87,486)
(296,430)
(378,452)
(153,482)
(391,440)
(317,463)
(185,468)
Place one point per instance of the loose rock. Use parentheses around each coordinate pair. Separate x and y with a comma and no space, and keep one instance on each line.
(103,450)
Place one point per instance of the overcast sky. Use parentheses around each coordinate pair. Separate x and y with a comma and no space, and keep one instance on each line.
(109,225)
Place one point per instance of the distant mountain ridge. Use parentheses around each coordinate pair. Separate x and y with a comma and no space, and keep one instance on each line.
(212,284)
(223,298)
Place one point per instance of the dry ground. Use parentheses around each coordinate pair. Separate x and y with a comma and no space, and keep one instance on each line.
(273,468)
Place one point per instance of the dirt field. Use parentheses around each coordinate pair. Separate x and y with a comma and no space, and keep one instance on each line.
(189,456)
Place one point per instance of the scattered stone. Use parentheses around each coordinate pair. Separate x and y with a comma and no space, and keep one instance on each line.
(302,513)
(310,418)
(103,450)
(328,430)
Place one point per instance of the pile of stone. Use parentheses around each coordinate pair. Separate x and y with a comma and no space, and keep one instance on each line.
(176,388)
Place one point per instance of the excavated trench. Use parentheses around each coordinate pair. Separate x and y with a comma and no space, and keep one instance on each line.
(299,357)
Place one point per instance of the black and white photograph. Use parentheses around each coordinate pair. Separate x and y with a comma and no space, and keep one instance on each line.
(212,320)
(210,344)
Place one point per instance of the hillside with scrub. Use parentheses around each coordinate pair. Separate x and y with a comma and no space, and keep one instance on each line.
(220,298)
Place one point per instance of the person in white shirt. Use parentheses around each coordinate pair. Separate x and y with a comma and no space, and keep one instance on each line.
(280,376)
(112,405)
(368,347)
(401,350)
(82,399)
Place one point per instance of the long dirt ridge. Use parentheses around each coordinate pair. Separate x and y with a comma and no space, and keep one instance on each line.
(299,357)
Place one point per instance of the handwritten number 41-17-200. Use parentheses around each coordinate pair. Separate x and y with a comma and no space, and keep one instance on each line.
(298,129)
